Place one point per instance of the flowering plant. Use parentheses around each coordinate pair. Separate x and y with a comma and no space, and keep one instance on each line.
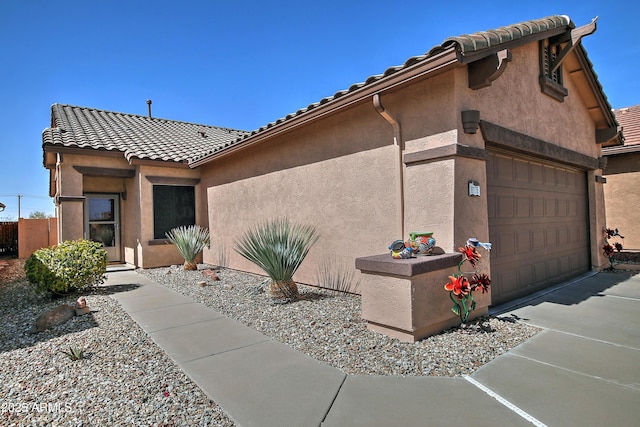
(460,287)
(608,249)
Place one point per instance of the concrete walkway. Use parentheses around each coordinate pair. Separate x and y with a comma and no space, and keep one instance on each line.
(583,369)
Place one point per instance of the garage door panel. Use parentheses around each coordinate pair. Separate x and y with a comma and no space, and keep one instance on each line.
(537,207)
(521,169)
(537,174)
(505,207)
(538,224)
(523,242)
(523,207)
(549,207)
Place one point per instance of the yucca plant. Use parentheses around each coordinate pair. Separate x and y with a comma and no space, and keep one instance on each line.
(189,241)
(278,247)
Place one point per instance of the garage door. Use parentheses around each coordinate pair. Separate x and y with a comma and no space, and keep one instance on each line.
(538,224)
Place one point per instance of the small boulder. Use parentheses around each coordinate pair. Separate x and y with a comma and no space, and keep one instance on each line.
(55,317)
(211,274)
(81,307)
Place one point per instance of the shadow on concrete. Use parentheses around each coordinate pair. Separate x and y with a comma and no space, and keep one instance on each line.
(568,293)
(114,289)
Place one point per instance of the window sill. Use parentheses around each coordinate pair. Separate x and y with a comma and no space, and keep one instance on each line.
(553,89)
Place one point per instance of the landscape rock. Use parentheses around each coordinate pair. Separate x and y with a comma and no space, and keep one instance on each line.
(211,274)
(55,317)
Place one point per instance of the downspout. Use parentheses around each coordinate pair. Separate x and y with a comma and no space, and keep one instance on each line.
(397,141)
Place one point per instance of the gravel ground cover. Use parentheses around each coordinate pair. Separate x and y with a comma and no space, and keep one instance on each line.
(125,379)
(327,326)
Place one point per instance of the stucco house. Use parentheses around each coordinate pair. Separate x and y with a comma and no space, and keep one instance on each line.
(622,172)
(496,135)
(124,179)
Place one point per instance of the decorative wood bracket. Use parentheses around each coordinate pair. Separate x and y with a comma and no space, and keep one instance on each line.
(573,39)
(607,134)
(483,71)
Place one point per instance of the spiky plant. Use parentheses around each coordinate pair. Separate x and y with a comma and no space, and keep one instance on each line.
(74,353)
(189,241)
(278,247)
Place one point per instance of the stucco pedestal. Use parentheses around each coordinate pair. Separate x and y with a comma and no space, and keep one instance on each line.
(405,298)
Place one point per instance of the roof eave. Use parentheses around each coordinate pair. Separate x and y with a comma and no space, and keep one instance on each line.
(158,162)
(625,149)
(429,66)
(596,87)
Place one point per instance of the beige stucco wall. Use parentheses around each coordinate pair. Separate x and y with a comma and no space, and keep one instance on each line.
(136,205)
(515,101)
(34,234)
(622,196)
(151,255)
(70,213)
(337,175)
(338,172)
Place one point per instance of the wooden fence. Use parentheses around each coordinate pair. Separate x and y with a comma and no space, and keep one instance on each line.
(8,238)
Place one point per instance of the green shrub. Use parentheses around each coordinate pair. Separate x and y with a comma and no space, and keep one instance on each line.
(70,266)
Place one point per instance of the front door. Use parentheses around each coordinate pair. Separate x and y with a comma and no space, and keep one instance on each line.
(102,222)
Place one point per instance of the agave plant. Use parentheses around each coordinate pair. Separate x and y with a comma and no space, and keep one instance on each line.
(278,247)
(189,241)
(74,353)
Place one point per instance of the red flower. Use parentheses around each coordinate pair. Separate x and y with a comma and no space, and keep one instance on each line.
(470,254)
(618,246)
(459,285)
(613,233)
(607,250)
(481,281)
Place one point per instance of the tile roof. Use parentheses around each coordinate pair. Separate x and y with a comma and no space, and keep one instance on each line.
(629,119)
(158,139)
(137,137)
(465,45)
(471,43)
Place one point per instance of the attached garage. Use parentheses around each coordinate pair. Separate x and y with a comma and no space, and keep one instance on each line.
(538,223)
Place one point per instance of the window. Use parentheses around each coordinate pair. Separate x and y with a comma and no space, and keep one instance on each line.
(551,80)
(173,206)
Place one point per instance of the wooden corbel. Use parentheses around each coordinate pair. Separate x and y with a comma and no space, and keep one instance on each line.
(483,71)
(607,134)
(572,40)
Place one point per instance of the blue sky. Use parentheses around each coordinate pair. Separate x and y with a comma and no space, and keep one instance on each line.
(239,64)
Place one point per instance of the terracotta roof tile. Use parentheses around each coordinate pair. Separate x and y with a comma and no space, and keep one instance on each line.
(138,137)
(465,44)
(629,119)
(491,38)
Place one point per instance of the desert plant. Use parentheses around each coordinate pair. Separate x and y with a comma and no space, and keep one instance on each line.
(278,247)
(223,256)
(70,266)
(189,241)
(74,353)
(334,273)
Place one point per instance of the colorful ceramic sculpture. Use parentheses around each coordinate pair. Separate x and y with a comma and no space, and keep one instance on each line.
(418,244)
